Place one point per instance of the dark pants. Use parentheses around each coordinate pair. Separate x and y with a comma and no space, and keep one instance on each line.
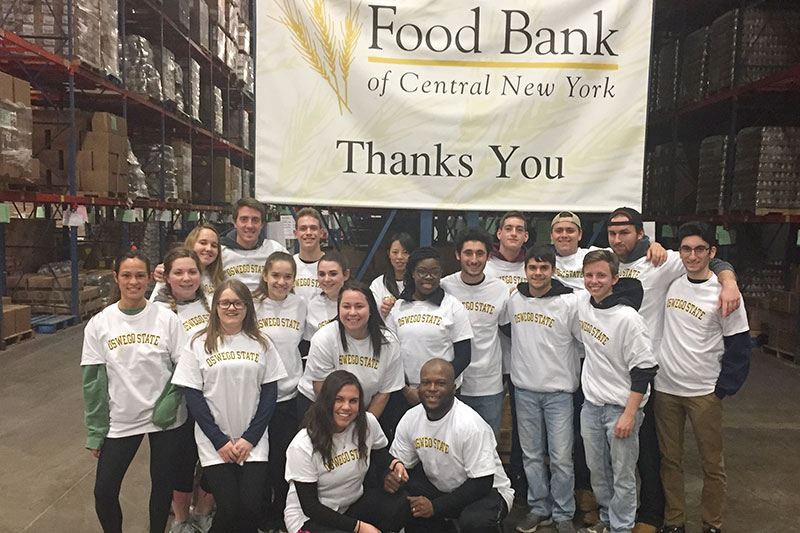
(583,479)
(482,516)
(516,470)
(239,493)
(395,408)
(387,512)
(116,455)
(187,457)
(651,492)
(281,432)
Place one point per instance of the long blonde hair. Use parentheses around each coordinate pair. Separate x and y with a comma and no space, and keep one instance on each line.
(214,270)
(213,330)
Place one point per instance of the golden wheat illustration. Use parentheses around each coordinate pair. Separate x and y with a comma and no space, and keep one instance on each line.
(337,54)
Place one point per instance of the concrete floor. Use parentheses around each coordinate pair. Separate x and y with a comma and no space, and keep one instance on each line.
(46,476)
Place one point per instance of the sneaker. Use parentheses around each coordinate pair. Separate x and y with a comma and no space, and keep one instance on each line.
(202,522)
(599,527)
(565,526)
(711,529)
(642,527)
(672,529)
(183,527)
(532,521)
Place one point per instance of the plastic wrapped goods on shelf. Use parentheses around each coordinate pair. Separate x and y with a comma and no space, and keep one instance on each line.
(243,38)
(211,108)
(239,128)
(666,88)
(218,40)
(236,184)
(211,181)
(141,74)
(711,174)
(109,37)
(16,131)
(178,11)
(244,71)
(183,166)
(767,171)
(668,192)
(769,43)
(216,11)
(151,159)
(694,66)
(171,76)
(191,82)
(137,181)
(200,23)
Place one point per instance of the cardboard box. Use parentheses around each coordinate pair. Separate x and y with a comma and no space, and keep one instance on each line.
(207,190)
(16,319)
(46,281)
(106,122)
(15,90)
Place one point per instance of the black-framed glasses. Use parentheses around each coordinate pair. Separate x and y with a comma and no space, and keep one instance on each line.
(425,273)
(238,305)
(697,250)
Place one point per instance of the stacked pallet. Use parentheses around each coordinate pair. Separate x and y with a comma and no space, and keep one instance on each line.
(767,173)
(711,174)
(47,294)
(16,322)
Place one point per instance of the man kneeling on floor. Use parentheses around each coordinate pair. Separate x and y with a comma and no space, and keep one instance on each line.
(450,454)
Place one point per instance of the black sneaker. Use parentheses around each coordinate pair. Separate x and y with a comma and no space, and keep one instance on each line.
(672,529)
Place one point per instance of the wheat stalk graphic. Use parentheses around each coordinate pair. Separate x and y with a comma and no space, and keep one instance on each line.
(336,52)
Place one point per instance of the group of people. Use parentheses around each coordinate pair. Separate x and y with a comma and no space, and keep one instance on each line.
(314,402)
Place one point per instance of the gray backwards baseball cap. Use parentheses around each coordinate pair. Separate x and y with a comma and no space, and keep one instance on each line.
(566,216)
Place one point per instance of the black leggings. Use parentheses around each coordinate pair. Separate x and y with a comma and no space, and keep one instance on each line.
(281,432)
(387,512)
(239,493)
(116,455)
(187,457)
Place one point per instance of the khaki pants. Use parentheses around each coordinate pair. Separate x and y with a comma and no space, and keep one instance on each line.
(705,415)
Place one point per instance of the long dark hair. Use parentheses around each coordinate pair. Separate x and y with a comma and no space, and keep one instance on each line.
(319,418)
(133,253)
(389,280)
(262,291)
(166,290)
(420,254)
(375,325)
(213,330)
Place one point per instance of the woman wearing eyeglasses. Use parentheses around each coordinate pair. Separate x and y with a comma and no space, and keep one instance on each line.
(428,322)
(229,373)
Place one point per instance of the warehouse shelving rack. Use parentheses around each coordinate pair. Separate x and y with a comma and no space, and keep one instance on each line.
(69,84)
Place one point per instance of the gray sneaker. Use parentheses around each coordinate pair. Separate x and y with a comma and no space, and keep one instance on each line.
(565,526)
(202,522)
(183,527)
(599,527)
(532,521)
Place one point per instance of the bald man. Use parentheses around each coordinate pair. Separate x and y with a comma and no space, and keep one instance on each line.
(450,453)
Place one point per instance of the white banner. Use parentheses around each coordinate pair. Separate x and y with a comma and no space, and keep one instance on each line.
(445,104)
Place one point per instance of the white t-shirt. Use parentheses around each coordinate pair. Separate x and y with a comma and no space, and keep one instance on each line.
(484,303)
(379,290)
(427,331)
(248,265)
(320,311)
(205,284)
(512,274)
(230,380)
(305,282)
(326,354)
(339,484)
(690,354)
(569,269)
(616,341)
(457,447)
(283,323)
(545,336)
(193,316)
(655,282)
(140,352)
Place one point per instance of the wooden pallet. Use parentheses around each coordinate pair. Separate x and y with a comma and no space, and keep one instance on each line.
(20,186)
(780,354)
(17,337)
(45,324)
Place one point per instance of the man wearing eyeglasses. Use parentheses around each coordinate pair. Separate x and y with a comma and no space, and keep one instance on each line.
(703,357)
(625,237)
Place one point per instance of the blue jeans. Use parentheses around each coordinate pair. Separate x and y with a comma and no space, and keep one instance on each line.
(489,407)
(544,421)
(612,462)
